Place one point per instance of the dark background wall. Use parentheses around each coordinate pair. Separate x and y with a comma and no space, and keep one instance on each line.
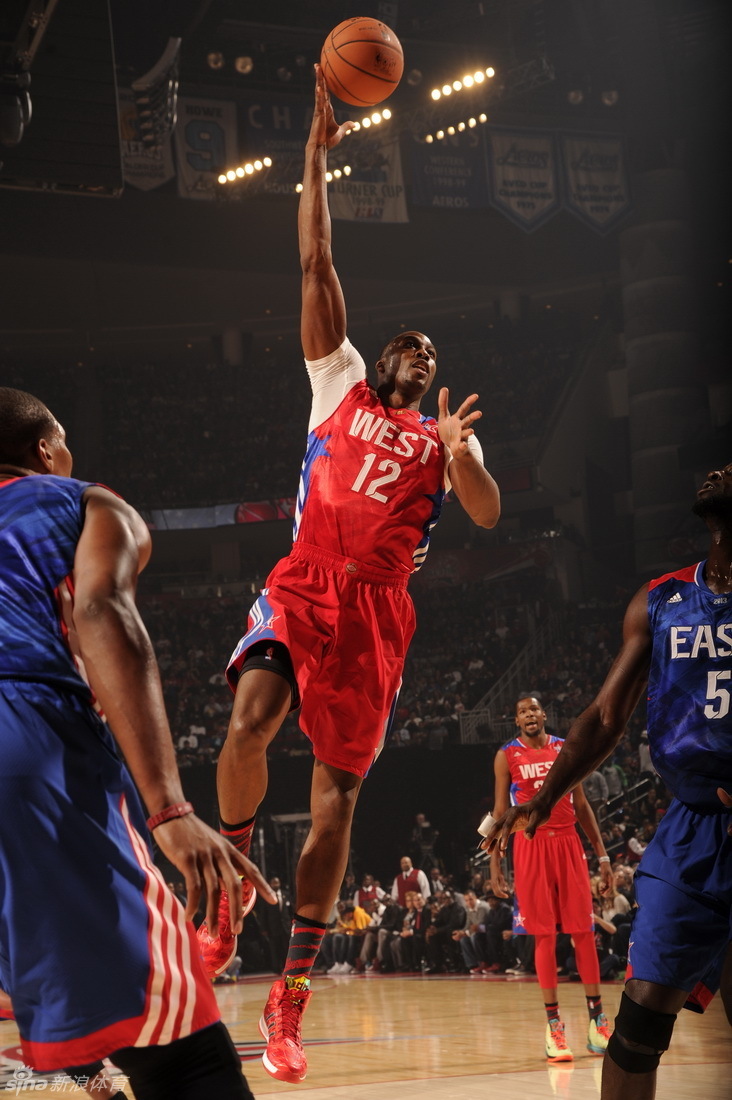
(454,787)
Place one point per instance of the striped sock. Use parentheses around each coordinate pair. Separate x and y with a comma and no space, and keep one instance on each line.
(594,1006)
(305,940)
(552,1011)
(240,835)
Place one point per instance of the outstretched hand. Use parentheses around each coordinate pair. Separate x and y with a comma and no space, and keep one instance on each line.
(455,428)
(724,796)
(324,129)
(209,862)
(524,818)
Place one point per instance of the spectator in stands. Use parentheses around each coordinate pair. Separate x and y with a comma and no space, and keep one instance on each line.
(392,924)
(347,937)
(348,888)
(614,778)
(442,951)
(595,787)
(471,937)
(410,951)
(634,846)
(368,891)
(410,878)
(645,764)
(376,909)
(437,881)
(498,955)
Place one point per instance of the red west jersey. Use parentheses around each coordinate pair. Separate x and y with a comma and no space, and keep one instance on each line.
(373,479)
(528,768)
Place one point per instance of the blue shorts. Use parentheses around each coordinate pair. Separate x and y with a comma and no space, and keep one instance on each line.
(94,949)
(683,923)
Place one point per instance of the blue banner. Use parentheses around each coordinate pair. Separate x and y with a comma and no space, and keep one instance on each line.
(522,175)
(595,178)
(450,174)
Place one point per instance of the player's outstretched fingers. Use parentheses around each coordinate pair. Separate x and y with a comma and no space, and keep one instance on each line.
(250,871)
(193,886)
(464,412)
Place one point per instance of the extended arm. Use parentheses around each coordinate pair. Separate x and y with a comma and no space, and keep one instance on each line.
(123,674)
(501,799)
(474,487)
(594,735)
(323,315)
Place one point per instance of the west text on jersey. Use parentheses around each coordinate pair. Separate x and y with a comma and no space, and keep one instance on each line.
(380,432)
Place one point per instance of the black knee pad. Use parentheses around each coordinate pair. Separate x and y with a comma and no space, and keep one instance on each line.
(636,1024)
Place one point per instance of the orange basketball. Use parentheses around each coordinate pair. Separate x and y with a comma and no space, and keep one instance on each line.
(362,61)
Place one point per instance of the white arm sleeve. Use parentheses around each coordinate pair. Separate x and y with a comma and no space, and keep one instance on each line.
(475,449)
(331,378)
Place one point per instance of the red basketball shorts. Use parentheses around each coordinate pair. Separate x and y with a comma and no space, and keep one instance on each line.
(347,627)
(552,882)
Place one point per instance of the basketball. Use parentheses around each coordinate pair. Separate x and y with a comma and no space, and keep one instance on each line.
(362,61)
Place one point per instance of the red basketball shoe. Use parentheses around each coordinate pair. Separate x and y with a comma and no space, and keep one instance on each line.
(280,1025)
(217,952)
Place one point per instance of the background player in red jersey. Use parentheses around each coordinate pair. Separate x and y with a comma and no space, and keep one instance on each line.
(332,626)
(677,646)
(550,877)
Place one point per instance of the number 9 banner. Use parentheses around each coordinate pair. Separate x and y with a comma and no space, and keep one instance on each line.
(205,145)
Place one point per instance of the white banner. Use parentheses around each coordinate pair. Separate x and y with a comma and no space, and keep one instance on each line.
(374,191)
(595,178)
(205,145)
(522,175)
(144,166)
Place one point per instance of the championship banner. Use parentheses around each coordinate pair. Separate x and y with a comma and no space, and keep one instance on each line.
(374,190)
(595,178)
(205,145)
(144,166)
(278,127)
(450,174)
(522,175)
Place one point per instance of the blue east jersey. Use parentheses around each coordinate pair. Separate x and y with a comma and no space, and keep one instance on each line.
(80,896)
(41,517)
(690,686)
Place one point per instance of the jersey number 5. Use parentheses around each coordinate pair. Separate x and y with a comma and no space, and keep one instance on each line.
(393,469)
(714,691)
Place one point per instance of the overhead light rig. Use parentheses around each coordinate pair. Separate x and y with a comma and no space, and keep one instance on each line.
(443,117)
(427,124)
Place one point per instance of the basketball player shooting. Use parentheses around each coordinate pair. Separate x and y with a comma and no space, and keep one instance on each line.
(374,477)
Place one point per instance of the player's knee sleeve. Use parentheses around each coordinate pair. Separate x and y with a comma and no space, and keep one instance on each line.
(649,1032)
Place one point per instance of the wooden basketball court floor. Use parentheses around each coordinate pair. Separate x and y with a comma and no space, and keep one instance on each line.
(445,1037)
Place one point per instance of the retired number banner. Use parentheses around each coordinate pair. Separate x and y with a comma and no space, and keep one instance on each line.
(374,191)
(144,166)
(205,145)
(595,178)
(522,175)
